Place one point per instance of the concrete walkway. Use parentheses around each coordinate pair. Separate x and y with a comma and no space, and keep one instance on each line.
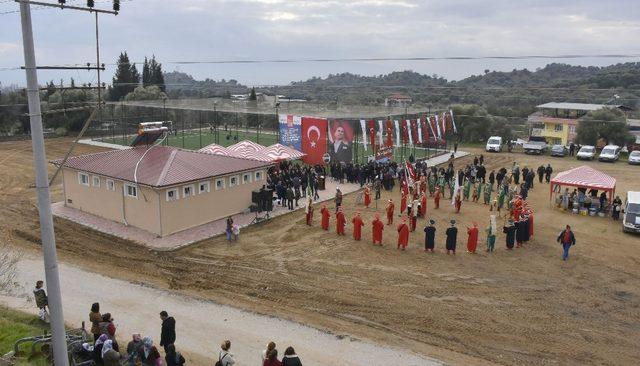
(202,325)
(98,143)
(185,237)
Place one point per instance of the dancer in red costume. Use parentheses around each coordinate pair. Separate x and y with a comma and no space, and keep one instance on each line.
(357,226)
(377,226)
(403,234)
(390,208)
(325,217)
(341,222)
(472,240)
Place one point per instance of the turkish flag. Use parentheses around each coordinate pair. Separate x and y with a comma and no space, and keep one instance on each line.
(425,132)
(314,139)
(389,142)
(372,134)
(414,131)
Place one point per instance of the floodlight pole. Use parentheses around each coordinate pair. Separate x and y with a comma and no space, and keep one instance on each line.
(47,234)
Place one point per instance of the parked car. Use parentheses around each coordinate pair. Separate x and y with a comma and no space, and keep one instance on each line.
(609,153)
(631,213)
(587,152)
(535,145)
(494,143)
(559,150)
(634,157)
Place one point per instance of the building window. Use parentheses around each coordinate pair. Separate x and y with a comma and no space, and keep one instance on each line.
(219,184)
(246,178)
(204,187)
(558,127)
(234,181)
(96,181)
(172,194)
(83,179)
(111,185)
(131,190)
(572,129)
(187,191)
(258,176)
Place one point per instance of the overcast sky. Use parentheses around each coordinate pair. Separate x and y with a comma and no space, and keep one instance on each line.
(200,30)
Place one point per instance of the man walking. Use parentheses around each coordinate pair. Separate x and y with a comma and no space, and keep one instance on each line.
(168,331)
(390,208)
(567,239)
(378,226)
(430,236)
(452,235)
(41,301)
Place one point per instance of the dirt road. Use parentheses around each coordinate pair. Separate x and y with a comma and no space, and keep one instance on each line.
(512,308)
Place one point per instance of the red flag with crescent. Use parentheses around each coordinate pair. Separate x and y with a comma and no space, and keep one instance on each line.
(314,139)
(414,131)
(405,132)
(372,134)
(389,141)
(425,131)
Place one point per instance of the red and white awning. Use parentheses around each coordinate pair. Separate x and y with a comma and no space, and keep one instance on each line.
(585,177)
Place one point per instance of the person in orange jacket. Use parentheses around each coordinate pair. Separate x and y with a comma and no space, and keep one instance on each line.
(436,198)
(377,227)
(341,222)
(403,234)
(472,240)
(325,217)
(357,226)
(390,208)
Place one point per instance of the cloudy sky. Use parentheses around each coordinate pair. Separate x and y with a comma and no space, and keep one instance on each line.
(210,30)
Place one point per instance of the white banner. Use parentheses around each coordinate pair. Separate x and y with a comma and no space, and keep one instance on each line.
(408,124)
(438,127)
(363,125)
(453,122)
(395,122)
(419,130)
(380,129)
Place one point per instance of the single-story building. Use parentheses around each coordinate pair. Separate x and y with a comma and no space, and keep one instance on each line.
(161,189)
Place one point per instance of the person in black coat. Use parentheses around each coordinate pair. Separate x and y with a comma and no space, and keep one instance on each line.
(172,357)
(430,237)
(547,173)
(510,230)
(452,235)
(168,332)
(540,173)
(290,358)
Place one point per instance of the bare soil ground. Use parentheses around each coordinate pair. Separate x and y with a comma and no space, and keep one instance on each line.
(511,307)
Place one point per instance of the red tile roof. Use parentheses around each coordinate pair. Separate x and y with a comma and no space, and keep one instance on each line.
(161,166)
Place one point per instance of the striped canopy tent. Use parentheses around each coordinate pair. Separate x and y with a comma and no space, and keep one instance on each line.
(584,177)
(216,150)
(246,146)
(279,152)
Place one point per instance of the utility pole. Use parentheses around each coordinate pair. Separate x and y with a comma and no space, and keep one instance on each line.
(42,188)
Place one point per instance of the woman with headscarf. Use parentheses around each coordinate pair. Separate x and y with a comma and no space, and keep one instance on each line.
(472,240)
(110,357)
(148,354)
(97,349)
(95,318)
(290,358)
(133,347)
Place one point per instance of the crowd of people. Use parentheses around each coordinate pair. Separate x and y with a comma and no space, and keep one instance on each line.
(420,183)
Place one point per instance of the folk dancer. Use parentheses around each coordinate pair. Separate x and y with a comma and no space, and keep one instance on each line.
(436,198)
(390,208)
(472,240)
(324,212)
(423,205)
(403,234)
(403,203)
(357,226)
(309,211)
(430,236)
(367,196)
(491,234)
(458,202)
(510,230)
(452,235)
(341,222)
(377,227)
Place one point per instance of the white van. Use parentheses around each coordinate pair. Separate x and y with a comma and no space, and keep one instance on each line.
(494,143)
(631,215)
(609,153)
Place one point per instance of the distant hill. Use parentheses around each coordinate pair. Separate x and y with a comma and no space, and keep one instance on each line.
(510,94)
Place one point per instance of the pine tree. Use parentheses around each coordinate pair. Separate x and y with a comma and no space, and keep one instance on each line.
(126,78)
(146,73)
(155,73)
(252,95)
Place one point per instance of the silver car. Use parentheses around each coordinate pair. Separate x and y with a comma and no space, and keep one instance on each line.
(634,157)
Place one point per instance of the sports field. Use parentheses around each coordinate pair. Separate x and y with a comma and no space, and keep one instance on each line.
(194,140)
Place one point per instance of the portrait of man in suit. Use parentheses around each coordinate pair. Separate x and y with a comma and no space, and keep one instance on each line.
(340,148)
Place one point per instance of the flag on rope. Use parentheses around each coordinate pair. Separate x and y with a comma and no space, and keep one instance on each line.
(438,127)
(453,122)
(372,134)
(444,124)
(405,132)
(420,139)
(397,132)
(409,131)
(456,188)
(389,134)
(431,121)
(380,130)
(364,133)
(414,130)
